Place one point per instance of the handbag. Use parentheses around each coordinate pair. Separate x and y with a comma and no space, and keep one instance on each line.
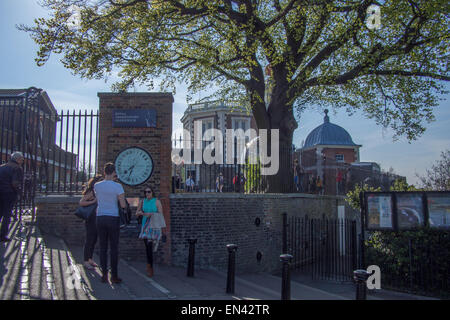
(147,232)
(85,212)
(124,214)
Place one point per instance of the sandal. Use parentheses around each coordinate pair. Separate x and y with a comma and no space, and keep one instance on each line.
(88,266)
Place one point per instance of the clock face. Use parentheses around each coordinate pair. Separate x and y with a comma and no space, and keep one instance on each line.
(134,166)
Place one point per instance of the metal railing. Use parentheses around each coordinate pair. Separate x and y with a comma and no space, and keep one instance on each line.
(60,150)
(412,265)
(71,155)
(241,176)
(323,248)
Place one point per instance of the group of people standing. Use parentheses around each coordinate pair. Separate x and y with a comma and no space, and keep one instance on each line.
(304,182)
(104,223)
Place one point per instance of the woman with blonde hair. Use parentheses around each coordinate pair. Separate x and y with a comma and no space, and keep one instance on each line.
(150,209)
(91,227)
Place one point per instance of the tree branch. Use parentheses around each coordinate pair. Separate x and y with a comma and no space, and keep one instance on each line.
(281,14)
(409,74)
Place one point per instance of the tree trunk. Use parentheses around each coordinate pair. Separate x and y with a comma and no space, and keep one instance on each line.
(279,115)
(283,181)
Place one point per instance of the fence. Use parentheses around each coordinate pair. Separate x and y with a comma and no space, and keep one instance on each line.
(70,153)
(60,151)
(323,248)
(241,176)
(415,265)
(338,177)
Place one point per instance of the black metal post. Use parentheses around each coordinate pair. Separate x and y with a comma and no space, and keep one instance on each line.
(286,277)
(360,276)
(231,267)
(284,232)
(191,259)
(362,260)
(410,264)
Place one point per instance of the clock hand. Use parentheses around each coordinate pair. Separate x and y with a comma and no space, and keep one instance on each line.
(130,170)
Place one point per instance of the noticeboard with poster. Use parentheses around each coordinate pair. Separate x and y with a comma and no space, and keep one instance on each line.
(379,211)
(406,210)
(410,210)
(438,204)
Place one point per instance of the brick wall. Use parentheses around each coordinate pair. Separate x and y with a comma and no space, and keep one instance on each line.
(215,220)
(55,215)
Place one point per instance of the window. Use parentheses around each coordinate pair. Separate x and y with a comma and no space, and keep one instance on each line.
(339,158)
(241,124)
(206,125)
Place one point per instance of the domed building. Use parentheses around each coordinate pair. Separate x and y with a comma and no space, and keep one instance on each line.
(327,153)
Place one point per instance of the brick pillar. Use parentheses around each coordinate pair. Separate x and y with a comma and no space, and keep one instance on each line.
(156,140)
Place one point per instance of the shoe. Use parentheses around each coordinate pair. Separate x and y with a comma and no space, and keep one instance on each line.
(5,239)
(93,264)
(115,280)
(88,266)
(104,278)
(149,270)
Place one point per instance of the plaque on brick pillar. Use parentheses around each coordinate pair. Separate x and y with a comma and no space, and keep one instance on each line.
(135,133)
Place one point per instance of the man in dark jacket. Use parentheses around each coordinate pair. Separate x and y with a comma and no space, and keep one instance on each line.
(11,178)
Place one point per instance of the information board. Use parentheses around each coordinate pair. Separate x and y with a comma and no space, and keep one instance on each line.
(439,209)
(379,210)
(406,210)
(410,210)
(134,118)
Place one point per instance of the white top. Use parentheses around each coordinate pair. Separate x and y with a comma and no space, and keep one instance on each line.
(106,192)
(190,182)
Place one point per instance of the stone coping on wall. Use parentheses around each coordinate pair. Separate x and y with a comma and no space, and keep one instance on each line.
(215,195)
(133,94)
(57,198)
(62,198)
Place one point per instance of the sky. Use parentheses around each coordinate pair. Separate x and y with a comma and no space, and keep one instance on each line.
(68,92)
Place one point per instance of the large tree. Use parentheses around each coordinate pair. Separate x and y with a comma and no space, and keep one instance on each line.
(320,52)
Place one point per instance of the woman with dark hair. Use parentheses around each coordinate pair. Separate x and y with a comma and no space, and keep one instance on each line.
(152,223)
(91,227)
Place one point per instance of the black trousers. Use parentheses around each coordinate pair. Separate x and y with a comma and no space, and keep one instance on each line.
(149,251)
(108,229)
(91,237)
(7,201)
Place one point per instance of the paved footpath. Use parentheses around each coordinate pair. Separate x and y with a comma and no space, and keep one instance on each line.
(36,266)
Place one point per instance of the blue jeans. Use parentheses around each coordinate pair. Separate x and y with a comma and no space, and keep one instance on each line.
(7,201)
(108,230)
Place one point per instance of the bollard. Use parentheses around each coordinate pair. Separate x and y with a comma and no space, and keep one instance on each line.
(191,258)
(231,267)
(284,234)
(360,276)
(286,277)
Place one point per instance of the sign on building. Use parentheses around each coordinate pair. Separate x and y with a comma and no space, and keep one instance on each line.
(134,118)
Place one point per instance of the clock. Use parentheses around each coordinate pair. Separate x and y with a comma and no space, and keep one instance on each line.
(134,166)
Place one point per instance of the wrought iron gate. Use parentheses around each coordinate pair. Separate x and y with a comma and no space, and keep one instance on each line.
(323,248)
(60,150)
(19,117)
